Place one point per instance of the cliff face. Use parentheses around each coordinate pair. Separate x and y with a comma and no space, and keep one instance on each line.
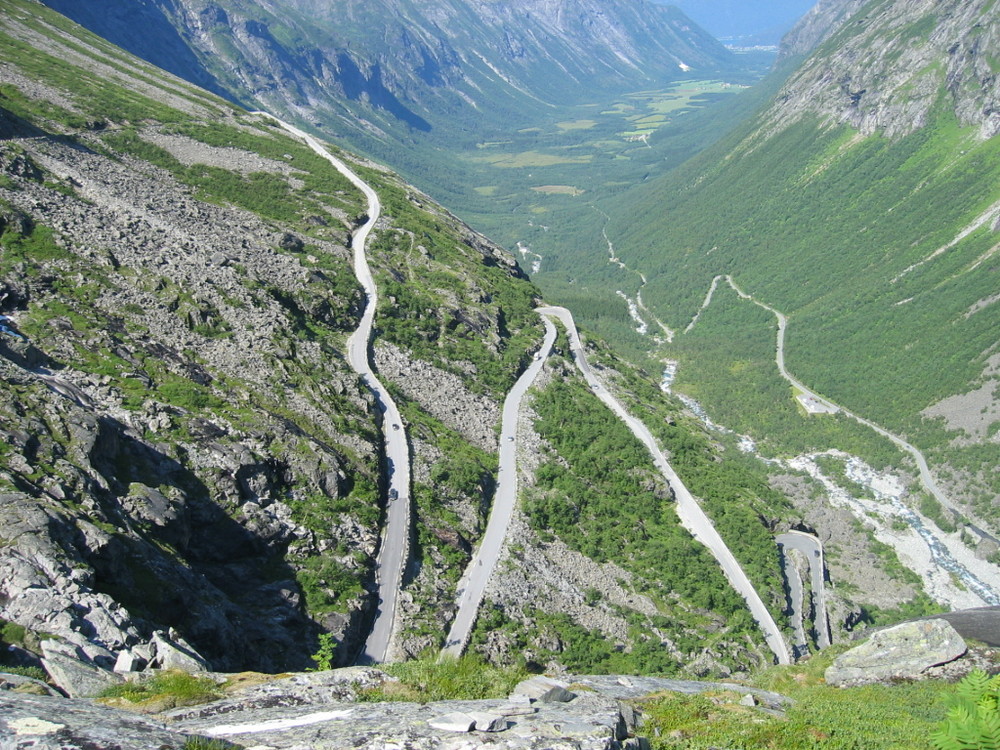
(886,66)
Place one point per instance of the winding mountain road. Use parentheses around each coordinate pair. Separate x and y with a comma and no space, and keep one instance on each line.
(693,518)
(925,474)
(691,515)
(941,553)
(394,552)
(812,549)
(473,583)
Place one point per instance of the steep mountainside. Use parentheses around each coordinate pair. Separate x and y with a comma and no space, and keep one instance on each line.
(184,448)
(816,25)
(189,467)
(383,71)
(887,68)
(863,204)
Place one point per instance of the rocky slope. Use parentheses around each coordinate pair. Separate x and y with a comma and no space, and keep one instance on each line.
(189,468)
(887,65)
(191,475)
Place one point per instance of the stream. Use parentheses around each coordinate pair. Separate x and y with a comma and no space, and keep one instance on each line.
(944,562)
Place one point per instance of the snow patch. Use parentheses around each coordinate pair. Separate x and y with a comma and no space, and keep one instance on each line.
(277,725)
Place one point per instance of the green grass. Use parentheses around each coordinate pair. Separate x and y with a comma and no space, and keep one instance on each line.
(206,743)
(880,717)
(178,686)
(35,673)
(327,584)
(465,678)
(874,717)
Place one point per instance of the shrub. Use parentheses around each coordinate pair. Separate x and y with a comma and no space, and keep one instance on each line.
(204,743)
(326,655)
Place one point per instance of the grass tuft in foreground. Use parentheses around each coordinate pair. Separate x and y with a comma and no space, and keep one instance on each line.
(467,678)
(170,688)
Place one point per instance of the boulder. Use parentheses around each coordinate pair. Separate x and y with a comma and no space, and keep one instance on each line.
(177,655)
(291,243)
(128,662)
(489,722)
(455,721)
(300,689)
(75,676)
(544,689)
(902,652)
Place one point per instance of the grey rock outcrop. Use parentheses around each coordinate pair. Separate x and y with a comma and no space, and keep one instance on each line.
(589,722)
(323,707)
(889,74)
(47,723)
(300,689)
(626,687)
(322,711)
(822,20)
(905,651)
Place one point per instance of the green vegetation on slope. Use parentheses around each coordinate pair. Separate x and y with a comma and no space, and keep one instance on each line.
(729,363)
(732,487)
(592,497)
(841,234)
(598,492)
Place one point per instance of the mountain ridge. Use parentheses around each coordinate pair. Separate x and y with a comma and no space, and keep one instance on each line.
(457,59)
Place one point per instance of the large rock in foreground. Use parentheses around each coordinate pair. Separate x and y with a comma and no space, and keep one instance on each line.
(589,722)
(44,723)
(903,652)
(328,711)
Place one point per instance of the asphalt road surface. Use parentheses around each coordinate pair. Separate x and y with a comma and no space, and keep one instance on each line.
(691,515)
(925,473)
(473,583)
(394,551)
(812,549)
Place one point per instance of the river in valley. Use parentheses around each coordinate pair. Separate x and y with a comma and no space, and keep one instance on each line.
(947,565)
